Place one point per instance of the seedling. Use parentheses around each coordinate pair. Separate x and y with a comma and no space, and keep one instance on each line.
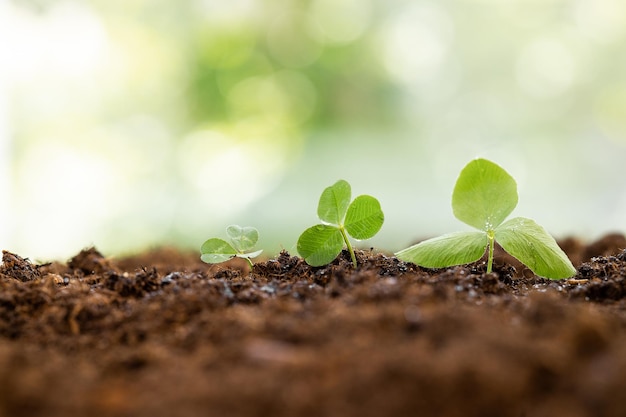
(242,239)
(483,197)
(361,219)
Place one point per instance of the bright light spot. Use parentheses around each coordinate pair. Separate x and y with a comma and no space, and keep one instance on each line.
(141,145)
(231,12)
(64,197)
(228,173)
(545,68)
(290,43)
(341,21)
(416,42)
(601,20)
(69,41)
(300,95)
(5,182)
(610,112)
(234,51)
(283,98)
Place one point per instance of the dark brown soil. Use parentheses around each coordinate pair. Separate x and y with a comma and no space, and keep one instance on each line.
(163,334)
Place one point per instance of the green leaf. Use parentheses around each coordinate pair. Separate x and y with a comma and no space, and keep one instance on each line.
(484,195)
(320,244)
(364,217)
(216,250)
(447,250)
(334,202)
(242,238)
(250,254)
(534,247)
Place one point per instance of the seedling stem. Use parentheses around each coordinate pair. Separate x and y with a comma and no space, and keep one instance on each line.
(345,238)
(250,264)
(491,237)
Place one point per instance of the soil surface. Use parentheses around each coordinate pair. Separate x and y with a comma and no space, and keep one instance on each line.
(163,334)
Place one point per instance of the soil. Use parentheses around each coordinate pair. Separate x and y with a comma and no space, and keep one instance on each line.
(162,334)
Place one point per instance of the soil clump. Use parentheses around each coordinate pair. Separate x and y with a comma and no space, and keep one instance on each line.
(163,334)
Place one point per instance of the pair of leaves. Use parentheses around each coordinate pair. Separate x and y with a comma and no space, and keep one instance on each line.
(483,197)
(362,219)
(242,239)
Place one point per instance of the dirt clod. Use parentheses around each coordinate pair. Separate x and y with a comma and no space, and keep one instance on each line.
(18,268)
(162,334)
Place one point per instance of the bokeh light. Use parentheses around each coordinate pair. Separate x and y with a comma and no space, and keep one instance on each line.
(127,125)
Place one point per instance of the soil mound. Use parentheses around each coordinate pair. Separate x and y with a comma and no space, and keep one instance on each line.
(163,334)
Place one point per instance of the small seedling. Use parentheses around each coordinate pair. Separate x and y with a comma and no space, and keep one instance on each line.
(242,239)
(483,197)
(361,219)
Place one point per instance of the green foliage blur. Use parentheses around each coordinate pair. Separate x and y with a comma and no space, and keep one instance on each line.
(279,72)
(131,124)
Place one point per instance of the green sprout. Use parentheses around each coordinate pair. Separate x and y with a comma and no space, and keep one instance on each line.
(483,197)
(242,239)
(361,219)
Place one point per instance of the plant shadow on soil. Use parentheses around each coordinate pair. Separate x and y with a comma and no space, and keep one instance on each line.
(163,334)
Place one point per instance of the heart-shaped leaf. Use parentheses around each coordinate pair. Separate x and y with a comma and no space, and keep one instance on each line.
(529,243)
(334,202)
(216,250)
(250,254)
(364,217)
(484,195)
(242,238)
(447,250)
(320,244)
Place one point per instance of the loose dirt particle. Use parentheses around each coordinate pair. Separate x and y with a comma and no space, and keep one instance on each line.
(162,334)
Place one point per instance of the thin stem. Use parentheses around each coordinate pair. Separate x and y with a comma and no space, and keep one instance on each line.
(249,263)
(345,239)
(491,237)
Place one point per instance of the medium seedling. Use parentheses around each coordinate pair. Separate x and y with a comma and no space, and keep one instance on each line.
(362,219)
(483,197)
(242,239)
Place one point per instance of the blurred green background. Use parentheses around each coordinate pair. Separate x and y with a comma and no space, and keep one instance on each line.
(139,123)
